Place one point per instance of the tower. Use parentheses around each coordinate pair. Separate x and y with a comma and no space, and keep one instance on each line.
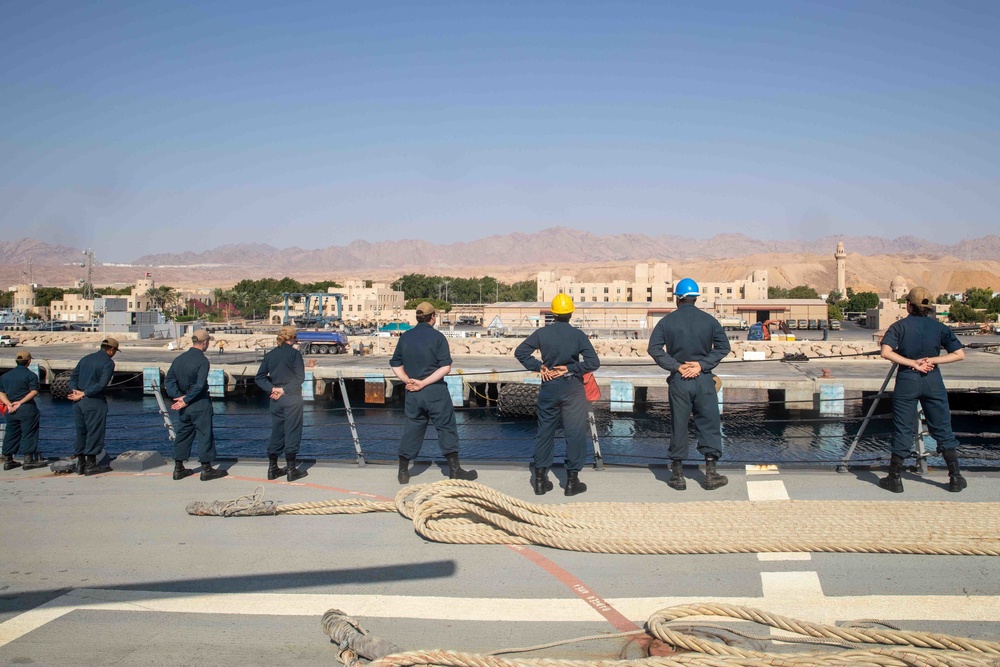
(841,257)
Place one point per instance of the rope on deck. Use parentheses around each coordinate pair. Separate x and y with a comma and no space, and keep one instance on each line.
(460,512)
(867,647)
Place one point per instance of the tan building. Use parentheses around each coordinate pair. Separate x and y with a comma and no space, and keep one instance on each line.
(362,301)
(139,301)
(24,299)
(72,308)
(653,283)
(639,318)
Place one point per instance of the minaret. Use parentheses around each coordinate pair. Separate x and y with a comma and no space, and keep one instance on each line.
(841,257)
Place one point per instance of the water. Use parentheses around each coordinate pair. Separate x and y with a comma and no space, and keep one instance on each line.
(753,432)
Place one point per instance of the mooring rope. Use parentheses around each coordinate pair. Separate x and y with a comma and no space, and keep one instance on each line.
(460,512)
(871,647)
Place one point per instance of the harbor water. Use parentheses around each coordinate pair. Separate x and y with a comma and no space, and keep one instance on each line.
(754,431)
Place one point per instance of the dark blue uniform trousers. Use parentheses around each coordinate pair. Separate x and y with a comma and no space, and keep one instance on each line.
(430,404)
(22,431)
(91,417)
(286,425)
(195,418)
(930,391)
(563,397)
(697,394)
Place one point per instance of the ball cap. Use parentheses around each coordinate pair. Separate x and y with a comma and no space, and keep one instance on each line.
(920,296)
(200,336)
(288,333)
(425,308)
(23,355)
(110,342)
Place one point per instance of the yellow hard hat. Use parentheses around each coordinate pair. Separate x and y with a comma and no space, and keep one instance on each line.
(562,304)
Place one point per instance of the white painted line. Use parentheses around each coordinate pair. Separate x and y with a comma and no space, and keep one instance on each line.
(762,469)
(795,594)
(784,555)
(770,490)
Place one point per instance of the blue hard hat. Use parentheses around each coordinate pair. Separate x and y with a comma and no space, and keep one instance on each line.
(687,287)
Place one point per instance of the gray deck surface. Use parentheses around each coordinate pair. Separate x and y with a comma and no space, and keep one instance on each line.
(110,570)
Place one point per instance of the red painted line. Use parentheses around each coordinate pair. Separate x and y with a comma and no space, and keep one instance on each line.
(585,593)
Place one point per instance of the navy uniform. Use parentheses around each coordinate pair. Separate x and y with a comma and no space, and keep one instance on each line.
(911,339)
(16,385)
(284,369)
(691,335)
(90,378)
(187,384)
(561,398)
(422,352)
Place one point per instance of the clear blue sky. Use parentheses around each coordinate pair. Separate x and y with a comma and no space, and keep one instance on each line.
(143,127)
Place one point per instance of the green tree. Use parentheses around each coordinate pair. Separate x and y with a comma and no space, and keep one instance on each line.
(943,299)
(44,296)
(834,297)
(833,312)
(978,297)
(797,292)
(994,305)
(862,301)
(438,304)
(6,299)
(960,312)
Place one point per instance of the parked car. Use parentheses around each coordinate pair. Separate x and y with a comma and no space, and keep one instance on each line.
(812,324)
(834,325)
(803,324)
(6,340)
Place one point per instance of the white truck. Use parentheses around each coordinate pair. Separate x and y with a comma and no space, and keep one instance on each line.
(6,340)
(734,323)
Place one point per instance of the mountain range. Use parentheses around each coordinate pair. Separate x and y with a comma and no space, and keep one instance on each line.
(553,245)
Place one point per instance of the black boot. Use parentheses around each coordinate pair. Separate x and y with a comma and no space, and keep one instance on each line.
(404,471)
(455,470)
(209,473)
(892,481)
(180,472)
(677,480)
(92,468)
(573,483)
(294,472)
(955,480)
(273,471)
(541,481)
(713,480)
(36,461)
(9,463)
(81,464)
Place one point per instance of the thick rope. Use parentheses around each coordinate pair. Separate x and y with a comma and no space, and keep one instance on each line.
(879,647)
(460,512)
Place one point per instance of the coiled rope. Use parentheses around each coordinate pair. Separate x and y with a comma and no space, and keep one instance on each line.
(868,647)
(460,512)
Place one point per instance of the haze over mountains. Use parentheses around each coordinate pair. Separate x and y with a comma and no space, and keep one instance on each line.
(556,244)
(517,256)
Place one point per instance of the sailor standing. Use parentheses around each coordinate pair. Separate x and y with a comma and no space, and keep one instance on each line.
(915,343)
(690,343)
(567,354)
(421,360)
(281,375)
(18,388)
(88,383)
(187,384)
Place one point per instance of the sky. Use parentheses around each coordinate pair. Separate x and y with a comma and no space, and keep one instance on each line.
(145,127)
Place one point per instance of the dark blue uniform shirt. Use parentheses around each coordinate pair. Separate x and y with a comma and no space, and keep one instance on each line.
(282,367)
(421,351)
(561,344)
(689,334)
(18,383)
(188,376)
(93,374)
(917,336)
